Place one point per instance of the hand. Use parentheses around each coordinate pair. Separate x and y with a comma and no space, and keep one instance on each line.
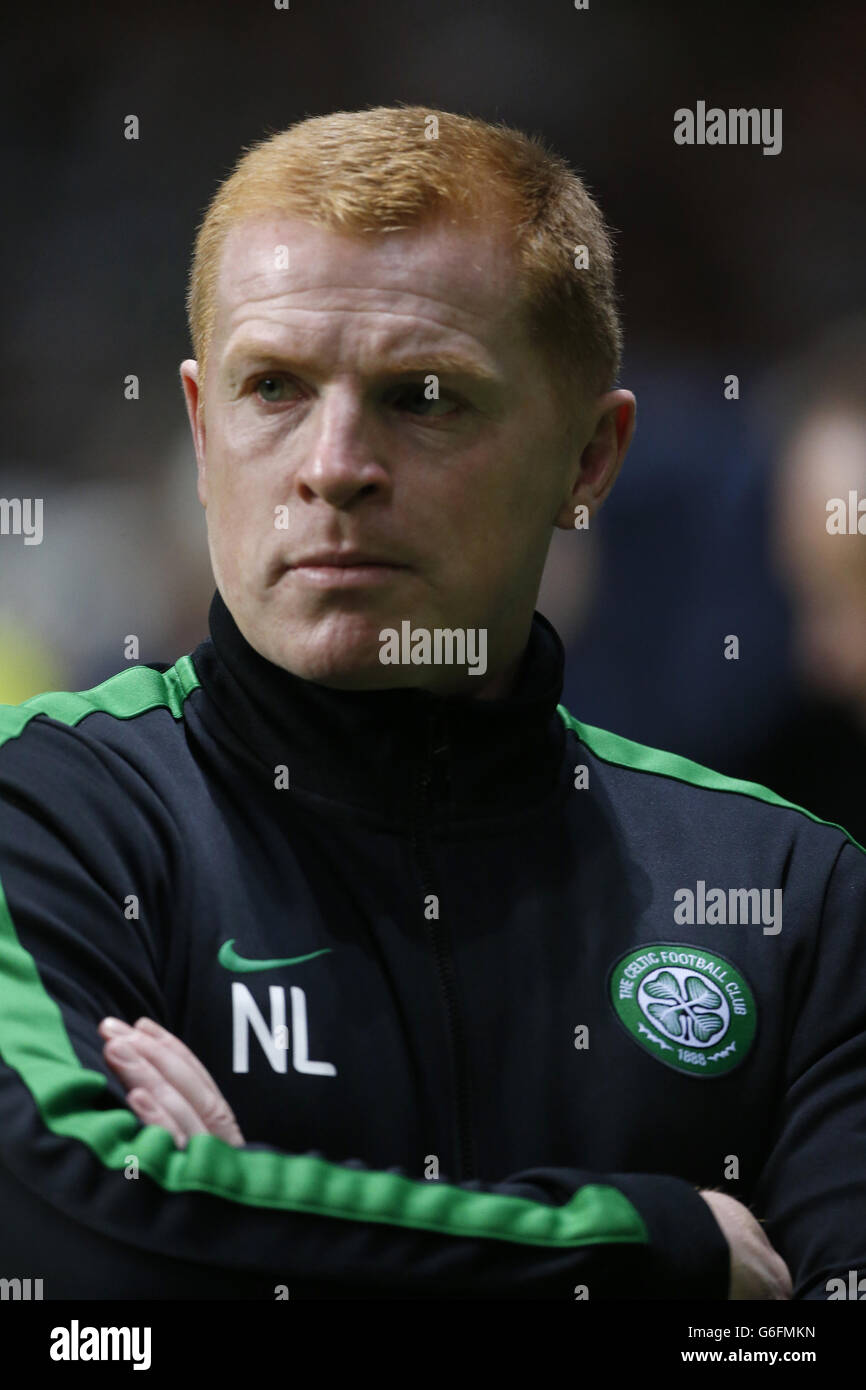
(757,1271)
(166,1083)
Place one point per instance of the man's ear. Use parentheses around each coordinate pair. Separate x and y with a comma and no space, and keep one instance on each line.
(613,421)
(189,382)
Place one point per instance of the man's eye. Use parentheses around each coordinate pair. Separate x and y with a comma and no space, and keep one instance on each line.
(269,389)
(417,400)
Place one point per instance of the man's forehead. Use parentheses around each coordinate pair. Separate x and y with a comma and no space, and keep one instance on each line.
(282,258)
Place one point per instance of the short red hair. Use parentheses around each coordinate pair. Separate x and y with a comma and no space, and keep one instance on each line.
(393,166)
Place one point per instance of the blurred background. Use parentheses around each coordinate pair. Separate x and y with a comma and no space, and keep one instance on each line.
(730,262)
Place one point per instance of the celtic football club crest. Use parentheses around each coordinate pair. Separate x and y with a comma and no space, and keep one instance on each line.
(690,1008)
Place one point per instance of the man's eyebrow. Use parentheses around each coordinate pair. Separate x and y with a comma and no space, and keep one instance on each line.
(416,364)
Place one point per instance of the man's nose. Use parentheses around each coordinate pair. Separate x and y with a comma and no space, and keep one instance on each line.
(341,458)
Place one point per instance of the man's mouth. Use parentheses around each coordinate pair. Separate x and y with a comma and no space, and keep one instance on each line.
(344,569)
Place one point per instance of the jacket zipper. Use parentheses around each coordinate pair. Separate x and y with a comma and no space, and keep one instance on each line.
(435,760)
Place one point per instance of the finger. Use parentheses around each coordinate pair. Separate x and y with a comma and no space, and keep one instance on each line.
(150,1113)
(207,1098)
(178,1066)
(136,1070)
(189,1078)
(178,1049)
(111,1028)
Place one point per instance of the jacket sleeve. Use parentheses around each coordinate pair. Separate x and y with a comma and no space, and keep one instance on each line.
(812,1191)
(100,1206)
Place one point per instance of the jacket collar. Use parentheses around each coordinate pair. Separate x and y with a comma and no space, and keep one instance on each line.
(383,750)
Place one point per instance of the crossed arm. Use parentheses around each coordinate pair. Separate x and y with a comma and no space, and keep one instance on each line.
(167,1085)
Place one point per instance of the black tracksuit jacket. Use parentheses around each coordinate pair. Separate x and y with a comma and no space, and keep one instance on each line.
(439,957)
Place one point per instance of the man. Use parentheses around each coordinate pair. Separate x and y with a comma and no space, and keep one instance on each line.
(408,983)
(817,755)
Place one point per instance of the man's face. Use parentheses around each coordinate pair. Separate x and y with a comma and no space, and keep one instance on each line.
(322,441)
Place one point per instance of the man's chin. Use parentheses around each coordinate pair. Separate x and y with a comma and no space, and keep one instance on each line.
(366,678)
(342,665)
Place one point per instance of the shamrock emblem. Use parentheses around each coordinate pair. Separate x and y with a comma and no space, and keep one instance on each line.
(686,1009)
